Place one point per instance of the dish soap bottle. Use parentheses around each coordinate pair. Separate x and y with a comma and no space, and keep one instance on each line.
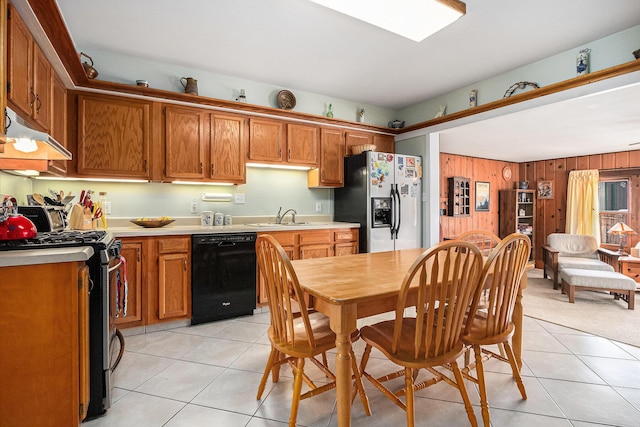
(330,111)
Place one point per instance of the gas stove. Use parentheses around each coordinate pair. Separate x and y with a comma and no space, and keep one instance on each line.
(98,239)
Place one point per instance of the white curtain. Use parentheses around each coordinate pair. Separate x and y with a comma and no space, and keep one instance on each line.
(583,214)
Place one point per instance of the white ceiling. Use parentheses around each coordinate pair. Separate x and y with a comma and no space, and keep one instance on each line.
(302,46)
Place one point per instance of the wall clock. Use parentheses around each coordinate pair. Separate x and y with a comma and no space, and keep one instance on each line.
(506,173)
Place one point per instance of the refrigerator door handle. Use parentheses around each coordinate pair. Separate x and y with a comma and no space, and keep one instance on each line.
(392,226)
(399,216)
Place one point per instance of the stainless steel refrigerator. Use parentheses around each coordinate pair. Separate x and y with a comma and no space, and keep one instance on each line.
(382,192)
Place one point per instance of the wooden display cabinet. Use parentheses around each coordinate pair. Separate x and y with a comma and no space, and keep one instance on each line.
(517,214)
(459,202)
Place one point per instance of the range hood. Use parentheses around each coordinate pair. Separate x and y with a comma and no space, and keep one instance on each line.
(22,142)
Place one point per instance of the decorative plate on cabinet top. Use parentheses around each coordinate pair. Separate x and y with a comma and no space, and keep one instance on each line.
(506,173)
(286,100)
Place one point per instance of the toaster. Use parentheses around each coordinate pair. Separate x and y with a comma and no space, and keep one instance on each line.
(45,218)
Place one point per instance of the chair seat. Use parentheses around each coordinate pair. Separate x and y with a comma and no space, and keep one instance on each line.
(380,335)
(478,333)
(325,338)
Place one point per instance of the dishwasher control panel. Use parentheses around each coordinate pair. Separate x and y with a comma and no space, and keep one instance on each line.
(231,238)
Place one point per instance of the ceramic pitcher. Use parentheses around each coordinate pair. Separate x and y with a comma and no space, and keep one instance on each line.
(190,85)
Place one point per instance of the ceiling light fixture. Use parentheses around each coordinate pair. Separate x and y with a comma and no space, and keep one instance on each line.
(415,20)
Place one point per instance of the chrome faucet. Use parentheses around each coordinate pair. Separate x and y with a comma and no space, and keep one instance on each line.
(279,217)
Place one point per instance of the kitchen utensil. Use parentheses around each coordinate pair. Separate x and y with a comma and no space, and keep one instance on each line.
(190,85)
(51,202)
(39,199)
(81,201)
(89,70)
(97,213)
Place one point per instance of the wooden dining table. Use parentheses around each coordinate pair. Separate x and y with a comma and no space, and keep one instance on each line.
(350,287)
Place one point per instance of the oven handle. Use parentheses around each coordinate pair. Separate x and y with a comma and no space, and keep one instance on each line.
(115,267)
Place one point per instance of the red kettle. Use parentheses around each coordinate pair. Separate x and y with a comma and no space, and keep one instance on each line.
(14,226)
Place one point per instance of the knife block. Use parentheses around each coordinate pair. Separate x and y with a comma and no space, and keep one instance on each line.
(81,218)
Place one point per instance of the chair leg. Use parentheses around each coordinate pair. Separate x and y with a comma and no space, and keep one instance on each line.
(408,386)
(463,392)
(516,371)
(484,403)
(359,386)
(297,388)
(267,369)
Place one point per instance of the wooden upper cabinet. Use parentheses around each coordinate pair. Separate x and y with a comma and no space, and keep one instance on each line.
(384,143)
(185,141)
(42,87)
(114,136)
(356,138)
(29,76)
(59,122)
(330,172)
(266,140)
(20,64)
(228,148)
(302,144)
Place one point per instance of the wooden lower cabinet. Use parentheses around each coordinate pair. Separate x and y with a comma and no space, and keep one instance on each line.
(311,244)
(132,250)
(45,345)
(159,279)
(174,278)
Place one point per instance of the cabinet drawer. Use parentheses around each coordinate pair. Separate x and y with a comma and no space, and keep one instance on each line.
(174,245)
(345,235)
(631,270)
(283,237)
(315,237)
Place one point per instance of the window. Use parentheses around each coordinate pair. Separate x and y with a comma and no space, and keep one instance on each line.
(613,203)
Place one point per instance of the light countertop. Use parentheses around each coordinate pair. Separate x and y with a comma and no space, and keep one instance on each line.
(44,256)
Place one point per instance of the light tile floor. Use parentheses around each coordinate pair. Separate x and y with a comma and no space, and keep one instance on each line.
(207,375)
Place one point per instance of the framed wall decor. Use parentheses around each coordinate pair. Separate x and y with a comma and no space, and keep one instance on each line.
(482,196)
(545,189)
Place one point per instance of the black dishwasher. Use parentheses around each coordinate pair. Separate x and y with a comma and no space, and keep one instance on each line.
(223,276)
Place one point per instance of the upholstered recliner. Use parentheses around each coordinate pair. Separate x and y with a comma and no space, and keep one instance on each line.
(575,251)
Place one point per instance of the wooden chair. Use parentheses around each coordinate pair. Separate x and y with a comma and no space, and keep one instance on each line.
(296,333)
(501,276)
(484,240)
(440,284)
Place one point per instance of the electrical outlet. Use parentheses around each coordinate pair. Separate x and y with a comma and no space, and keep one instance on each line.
(194,206)
(239,198)
(318,207)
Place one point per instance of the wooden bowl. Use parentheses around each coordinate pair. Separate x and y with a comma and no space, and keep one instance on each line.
(151,223)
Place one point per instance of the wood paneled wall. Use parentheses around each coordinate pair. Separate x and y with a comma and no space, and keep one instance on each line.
(550,213)
(477,170)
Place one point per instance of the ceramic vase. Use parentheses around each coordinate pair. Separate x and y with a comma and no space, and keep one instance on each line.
(582,62)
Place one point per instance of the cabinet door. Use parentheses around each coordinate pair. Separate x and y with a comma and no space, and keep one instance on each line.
(332,157)
(42,87)
(20,64)
(266,140)
(348,248)
(316,251)
(59,122)
(113,137)
(384,143)
(173,285)
(83,340)
(228,148)
(184,142)
(356,138)
(302,144)
(132,253)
